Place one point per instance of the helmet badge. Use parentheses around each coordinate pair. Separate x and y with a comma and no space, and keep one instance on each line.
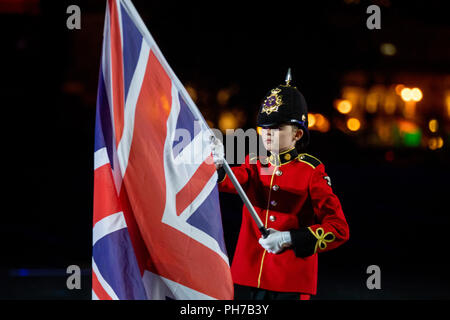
(272,102)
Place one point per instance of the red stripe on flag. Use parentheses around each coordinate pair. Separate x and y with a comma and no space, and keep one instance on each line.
(172,254)
(195,185)
(98,289)
(116,71)
(106,201)
(140,251)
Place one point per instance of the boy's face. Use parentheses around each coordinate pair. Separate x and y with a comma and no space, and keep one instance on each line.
(282,138)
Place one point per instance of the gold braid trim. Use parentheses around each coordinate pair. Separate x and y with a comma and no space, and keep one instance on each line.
(322,239)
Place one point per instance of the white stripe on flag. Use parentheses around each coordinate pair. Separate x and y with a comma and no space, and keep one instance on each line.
(183,167)
(158,288)
(123,149)
(106,65)
(119,17)
(107,76)
(206,191)
(170,218)
(103,282)
(189,160)
(100,158)
(107,225)
(94,296)
(179,175)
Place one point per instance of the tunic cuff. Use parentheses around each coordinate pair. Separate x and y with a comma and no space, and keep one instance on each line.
(221,174)
(303,242)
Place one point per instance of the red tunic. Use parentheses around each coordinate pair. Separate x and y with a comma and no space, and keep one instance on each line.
(291,192)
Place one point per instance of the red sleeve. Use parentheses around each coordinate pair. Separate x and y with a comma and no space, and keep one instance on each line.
(331,229)
(242,174)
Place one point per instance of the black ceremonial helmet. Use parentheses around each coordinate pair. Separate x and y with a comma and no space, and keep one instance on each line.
(284,105)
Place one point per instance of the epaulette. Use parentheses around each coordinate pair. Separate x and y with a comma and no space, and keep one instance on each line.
(309,159)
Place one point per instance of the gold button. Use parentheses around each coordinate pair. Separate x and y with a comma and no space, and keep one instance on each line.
(273,203)
(278,173)
(287,157)
(272,218)
(275,188)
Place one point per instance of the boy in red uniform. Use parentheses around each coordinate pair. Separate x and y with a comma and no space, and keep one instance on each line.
(292,195)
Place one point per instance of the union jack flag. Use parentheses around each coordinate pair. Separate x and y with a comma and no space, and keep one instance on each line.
(157,229)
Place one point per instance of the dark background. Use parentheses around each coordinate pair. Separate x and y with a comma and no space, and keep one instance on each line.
(394,196)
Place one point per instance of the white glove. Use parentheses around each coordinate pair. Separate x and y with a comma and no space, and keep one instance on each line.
(276,241)
(217,152)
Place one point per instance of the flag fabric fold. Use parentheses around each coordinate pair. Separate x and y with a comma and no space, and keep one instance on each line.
(157,228)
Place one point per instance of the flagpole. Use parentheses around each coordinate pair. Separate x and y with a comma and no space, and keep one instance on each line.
(245,199)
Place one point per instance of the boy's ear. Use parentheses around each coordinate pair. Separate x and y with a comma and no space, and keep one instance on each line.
(299,134)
